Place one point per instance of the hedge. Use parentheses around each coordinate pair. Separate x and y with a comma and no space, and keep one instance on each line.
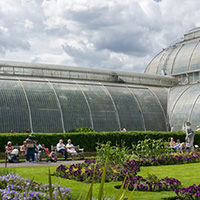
(89,141)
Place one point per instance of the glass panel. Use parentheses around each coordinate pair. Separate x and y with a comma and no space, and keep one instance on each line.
(44,107)
(103,112)
(195,60)
(74,107)
(13,108)
(184,106)
(153,115)
(174,96)
(170,60)
(162,95)
(183,58)
(153,66)
(128,109)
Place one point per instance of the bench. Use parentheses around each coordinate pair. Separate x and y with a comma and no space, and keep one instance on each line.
(80,152)
(22,153)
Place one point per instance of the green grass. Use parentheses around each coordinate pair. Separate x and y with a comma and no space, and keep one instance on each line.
(188,174)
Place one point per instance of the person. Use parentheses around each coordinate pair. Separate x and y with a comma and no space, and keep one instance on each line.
(197,128)
(12,153)
(172,128)
(23,148)
(123,129)
(171,143)
(52,156)
(60,147)
(179,145)
(30,148)
(38,149)
(71,149)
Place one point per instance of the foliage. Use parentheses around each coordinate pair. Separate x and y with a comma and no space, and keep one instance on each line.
(88,171)
(114,154)
(150,147)
(170,159)
(192,192)
(152,183)
(83,129)
(13,186)
(88,141)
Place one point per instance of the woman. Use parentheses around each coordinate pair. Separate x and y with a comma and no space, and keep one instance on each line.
(38,149)
(71,149)
(13,154)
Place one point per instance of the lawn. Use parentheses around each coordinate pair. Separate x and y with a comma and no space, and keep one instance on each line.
(188,174)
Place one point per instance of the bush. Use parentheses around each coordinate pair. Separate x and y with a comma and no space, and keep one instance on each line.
(88,141)
(114,154)
(151,147)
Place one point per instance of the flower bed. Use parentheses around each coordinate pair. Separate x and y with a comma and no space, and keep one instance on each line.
(13,186)
(170,159)
(192,192)
(152,183)
(84,171)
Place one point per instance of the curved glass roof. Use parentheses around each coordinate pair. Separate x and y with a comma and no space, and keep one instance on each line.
(184,105)
(54,105)
(181,57)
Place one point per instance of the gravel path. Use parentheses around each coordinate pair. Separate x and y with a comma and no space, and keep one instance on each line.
(39,164)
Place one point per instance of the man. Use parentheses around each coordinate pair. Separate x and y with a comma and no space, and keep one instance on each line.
(60,147)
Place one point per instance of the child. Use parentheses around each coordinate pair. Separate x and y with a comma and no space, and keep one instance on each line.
(52,156)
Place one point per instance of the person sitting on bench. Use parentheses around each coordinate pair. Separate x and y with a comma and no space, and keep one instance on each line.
(60,147)
(13,154)
(71,149)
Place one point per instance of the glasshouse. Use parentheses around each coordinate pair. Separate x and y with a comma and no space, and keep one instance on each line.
(50,98)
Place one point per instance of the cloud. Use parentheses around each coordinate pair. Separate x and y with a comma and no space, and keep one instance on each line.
(118,35)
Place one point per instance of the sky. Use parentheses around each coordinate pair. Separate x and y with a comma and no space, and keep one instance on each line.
(122,35)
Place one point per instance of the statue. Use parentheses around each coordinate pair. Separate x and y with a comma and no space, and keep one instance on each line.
(189,139)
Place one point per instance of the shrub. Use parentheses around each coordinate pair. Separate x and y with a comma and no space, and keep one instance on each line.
(88,141)
(114,154)
(150,147)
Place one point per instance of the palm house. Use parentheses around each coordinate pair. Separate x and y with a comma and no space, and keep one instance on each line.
(50,98)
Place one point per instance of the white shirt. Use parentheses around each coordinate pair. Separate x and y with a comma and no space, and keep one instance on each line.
(60,146)
(70,145)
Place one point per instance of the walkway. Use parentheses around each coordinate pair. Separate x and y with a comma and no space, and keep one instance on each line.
(40,164)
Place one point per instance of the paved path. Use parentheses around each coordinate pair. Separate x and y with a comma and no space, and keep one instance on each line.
(40,164)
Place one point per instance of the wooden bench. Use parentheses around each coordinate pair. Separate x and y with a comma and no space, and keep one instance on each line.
(80,152)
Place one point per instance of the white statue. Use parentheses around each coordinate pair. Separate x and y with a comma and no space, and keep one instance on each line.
(189,139)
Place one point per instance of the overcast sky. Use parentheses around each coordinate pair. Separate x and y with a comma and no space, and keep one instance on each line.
(109,34)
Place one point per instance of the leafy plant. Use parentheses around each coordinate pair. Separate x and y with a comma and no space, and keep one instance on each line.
(151,147)
(114,154)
